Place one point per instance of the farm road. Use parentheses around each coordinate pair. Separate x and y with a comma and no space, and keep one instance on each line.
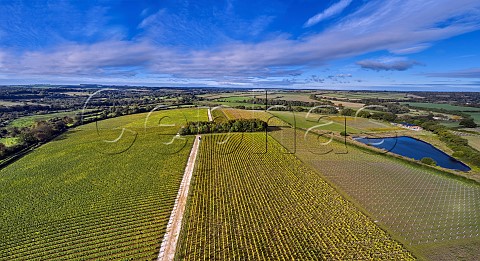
(169,243)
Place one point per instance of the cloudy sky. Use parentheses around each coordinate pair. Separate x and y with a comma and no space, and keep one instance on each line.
(333,44)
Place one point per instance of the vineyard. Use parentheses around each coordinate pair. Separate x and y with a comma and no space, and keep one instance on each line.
(253,114)
(86,196)
(250,205)
(304,120)
(427,210)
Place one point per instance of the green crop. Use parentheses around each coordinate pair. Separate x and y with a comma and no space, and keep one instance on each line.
(248,204)
(80,197)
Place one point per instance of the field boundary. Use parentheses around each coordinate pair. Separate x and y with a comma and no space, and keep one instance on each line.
(170,239)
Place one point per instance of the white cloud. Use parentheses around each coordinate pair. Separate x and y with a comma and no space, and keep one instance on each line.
(329,12)
(401,27)
(410,50)
(388,64)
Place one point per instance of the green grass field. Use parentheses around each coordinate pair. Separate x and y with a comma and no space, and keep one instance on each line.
(473,141)
(291,96)
(231,104)
(473,112)
(248,204)
(423,208)
(28,121)
(447,107)
(475,116)
(253,114)
(84,196)
(301,120)
(236,98)
(9,141)
(367,95)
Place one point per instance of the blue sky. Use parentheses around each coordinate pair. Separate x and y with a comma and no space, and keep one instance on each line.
(332,44)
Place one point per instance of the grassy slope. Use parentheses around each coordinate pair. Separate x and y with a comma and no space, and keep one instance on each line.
(250,205)
(74,197)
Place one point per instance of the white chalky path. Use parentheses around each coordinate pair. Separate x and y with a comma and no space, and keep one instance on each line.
(169,243)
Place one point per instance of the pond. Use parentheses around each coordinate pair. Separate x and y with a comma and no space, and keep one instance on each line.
(416,149)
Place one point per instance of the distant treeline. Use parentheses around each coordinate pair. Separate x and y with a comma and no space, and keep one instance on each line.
(238,125)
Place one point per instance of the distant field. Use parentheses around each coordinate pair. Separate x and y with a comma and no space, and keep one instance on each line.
(9,103)
(367,95)
(236,98)
(248,204)
(226,95)
(290,96)
(475,116)
(353,105)
(425,209)
(28,121)
(77,93)
(354,125)
(473,141)
(302,121)
(450,124)
(447,107)
(85,197)
(473,112)
(9,141)
(232,104)
(253,114)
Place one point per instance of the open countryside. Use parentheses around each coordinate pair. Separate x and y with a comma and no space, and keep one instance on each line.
(239,130)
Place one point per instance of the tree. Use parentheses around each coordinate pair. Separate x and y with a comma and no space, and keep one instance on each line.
(347,112)
(429,161)
(28,137)
(468,123)
(364,114)
(3,149)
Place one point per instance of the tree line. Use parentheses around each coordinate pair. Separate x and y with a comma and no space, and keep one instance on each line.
(237,125)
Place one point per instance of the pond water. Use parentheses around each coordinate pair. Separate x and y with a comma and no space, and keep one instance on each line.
(416,149)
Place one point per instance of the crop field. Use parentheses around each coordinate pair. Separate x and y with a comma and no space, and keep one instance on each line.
(234,104)
(28,121)
(474,141)
(365,124)
(87,196)
(235,98)
(218,115)
(248,204)
(335,123)
(447,107)
(9,141)
(253,114)
(228,94)
(353,105)
(475,116)
(472,111)
(427,210)
(367,95)
(301,120)
(9,103)
(292,96)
